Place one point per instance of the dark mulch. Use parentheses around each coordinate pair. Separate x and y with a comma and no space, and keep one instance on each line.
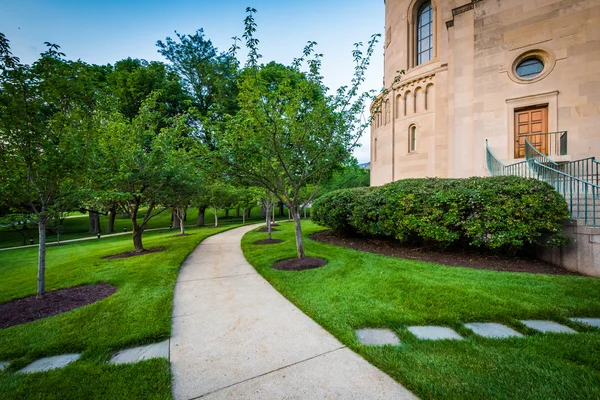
(269,241)
(297,264)
(393,248)
(31,308)
(266,230)
(181,234)
(128,254)
(274,224)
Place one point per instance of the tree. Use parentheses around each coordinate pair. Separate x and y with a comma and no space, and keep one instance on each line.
(288,131)
(221,195)
(209,77)
(247,198)
(46,125)
(139,164)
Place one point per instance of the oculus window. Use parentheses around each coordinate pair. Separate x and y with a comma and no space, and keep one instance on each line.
(529,68)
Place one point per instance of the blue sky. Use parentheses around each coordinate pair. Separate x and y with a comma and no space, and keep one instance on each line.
(103,32)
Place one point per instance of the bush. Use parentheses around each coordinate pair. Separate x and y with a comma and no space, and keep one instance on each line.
(334,209)
(494,213)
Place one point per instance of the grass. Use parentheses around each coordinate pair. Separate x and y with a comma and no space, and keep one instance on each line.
(138,313)
(360,290)
(76,226)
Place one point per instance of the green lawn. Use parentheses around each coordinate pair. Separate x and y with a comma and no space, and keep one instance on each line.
(359,290)
(77,226)
(138,313)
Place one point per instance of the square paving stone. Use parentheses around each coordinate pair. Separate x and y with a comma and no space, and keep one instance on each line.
(48,363)
(547,326)
(4,365)
(434,333)
(588,321)
(133,355)
(492,330)
(377,337)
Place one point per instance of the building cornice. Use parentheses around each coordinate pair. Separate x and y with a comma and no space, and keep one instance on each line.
(459,10)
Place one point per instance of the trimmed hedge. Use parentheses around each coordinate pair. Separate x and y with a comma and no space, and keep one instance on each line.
(503,212)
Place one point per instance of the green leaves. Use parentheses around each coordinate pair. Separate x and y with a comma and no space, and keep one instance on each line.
(504,213)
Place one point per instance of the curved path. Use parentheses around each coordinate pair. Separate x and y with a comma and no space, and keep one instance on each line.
(235,337)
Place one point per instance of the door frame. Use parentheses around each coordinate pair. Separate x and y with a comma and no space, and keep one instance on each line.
(549,98)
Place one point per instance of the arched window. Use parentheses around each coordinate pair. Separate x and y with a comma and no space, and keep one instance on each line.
(375,150)
(412,138)
(424,33)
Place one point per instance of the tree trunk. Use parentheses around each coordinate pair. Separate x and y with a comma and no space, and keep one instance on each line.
(244,217)
(273,212)
(94,222)
(175,221)
(41,279)
(237,212)
(184,215)
(298,226)
(290,215)
(181,214)
(248,212)
(269,221)
(216,213)
(227,213)
(201,211)
(111,219)
(137,238)
(281,209)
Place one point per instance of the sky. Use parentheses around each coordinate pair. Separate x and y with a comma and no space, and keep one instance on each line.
(103,32)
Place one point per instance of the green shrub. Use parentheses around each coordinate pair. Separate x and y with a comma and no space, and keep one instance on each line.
(494,213)
(334,209)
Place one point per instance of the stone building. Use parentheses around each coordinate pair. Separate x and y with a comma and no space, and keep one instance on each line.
(496,70)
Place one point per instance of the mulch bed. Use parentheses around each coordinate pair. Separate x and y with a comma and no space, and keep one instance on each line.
(31,308)
(269,241)
(181,234)
(266,230)
(393,248)
(128,254)
(297,264)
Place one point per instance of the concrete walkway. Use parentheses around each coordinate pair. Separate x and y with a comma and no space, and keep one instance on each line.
(235,337)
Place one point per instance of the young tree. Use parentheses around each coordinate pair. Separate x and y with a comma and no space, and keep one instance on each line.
(138,164)
(247,198)
(221,195)
(289,131)
(46,125)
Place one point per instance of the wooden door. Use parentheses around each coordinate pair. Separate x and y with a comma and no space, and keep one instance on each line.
(532,124)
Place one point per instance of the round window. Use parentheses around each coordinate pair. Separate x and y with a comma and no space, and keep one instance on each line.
(530,68)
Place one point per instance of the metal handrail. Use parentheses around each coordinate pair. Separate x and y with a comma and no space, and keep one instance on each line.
(554,143)
(575,190)
(497,167)
(587,169)
(532,153)
(582,196)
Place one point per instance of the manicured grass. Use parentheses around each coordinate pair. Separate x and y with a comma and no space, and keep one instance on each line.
(359,290)
(77,226)
(138,313)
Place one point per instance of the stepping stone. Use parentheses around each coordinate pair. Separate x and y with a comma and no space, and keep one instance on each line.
(492,330)
(377,337)
(4,365)
(48,363)
(130,356)
(547,326)
(588,321)
(434,333)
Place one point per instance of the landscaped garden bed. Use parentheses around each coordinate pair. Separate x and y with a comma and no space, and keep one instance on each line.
(457,258)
